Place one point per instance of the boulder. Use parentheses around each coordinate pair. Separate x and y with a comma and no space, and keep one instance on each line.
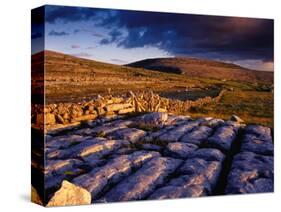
(70,194)
(236,119)
(152,120)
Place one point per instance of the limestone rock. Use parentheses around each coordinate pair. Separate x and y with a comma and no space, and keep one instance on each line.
(263,133)
(70,194)
(116,107)
(252,143)
(208,154)
(250,173)
(126,110)
(131,134)
(236,119)
(114,171)
(223,138)
(180,150)
(198,135)
(177,132)
(85,117)
(197,166)
(48,118)
(144,181)
(152,120)
(182,187)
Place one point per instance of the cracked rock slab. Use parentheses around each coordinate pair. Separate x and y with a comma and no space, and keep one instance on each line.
(250,173)
(180,150)
(115,170)
(198,135)
(176,133)
(182,187)
(132,135)
(144,181)
(223,138)
(252,143)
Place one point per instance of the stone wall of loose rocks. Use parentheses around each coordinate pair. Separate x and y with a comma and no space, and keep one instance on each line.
(71,114)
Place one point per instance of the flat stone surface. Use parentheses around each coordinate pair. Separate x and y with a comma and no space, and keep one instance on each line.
(156,156)
(253,143)
(223,138)
(250,173)
(144,181)
(132,135)
(180,150)
(65,141)
(208,154)
(210,169)
(198,135)
(184,186)
(176,133)
(113,171)
(263,133)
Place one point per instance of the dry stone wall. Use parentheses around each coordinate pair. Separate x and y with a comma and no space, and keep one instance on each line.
(56,116)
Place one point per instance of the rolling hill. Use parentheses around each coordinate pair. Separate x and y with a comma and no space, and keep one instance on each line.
(69,78)
(72,79)
(194,67)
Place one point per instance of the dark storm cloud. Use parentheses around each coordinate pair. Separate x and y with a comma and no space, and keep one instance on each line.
(219,37)
(114,36)
(55,33)
(75,14)
(227,38)
(36,35)
(67,14)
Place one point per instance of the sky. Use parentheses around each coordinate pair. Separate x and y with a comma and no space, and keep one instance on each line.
(123,36)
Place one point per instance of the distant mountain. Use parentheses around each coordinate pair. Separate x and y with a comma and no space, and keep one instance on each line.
(194,67)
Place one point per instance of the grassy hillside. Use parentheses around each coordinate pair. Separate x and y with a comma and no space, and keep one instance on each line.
(72,79)
(194,67)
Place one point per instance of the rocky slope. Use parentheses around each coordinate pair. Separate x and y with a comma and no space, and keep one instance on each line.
(195,67)
(154,156)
